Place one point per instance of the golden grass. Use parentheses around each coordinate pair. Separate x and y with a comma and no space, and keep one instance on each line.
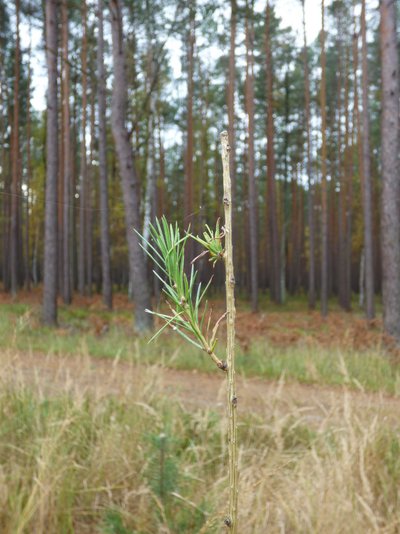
(84,460)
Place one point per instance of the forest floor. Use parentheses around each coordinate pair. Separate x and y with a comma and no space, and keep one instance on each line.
(286,325)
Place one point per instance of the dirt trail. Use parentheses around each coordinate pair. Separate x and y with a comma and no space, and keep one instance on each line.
(311,404)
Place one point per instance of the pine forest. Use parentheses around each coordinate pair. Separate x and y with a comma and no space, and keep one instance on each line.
(181,167)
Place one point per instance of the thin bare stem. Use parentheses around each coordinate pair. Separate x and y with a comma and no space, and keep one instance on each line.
(231,520)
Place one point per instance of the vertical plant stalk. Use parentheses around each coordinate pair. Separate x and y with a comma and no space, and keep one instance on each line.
(231,520)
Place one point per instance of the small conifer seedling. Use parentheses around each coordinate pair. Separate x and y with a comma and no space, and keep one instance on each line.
(185,297)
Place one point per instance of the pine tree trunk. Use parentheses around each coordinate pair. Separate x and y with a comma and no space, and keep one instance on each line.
(285,266)
(332,240)
(361,280)
(253,230)
(151,191)
(357,139)
(203,166)
(367,189)
(284,246)
(50,236)
(161,196)
(15,183)
(35,270)
(104,224)
(324,192)
(83,169)
(275,282)
(300,238)
(75,178)
(3,175)
(345,192)
(60,267)
(28,180)
(341,80)
(90,195)
(189,155)
(390,222)
(67,296)
(137,266)
(231,119)
(293,235)
(6,203)
(310,192)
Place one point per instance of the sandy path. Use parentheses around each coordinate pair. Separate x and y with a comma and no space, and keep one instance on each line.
(101,377)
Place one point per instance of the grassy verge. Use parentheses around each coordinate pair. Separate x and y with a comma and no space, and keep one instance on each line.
(81,330)
(143,463)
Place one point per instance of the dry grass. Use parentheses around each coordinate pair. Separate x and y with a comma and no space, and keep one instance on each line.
(323,477)
(89,461)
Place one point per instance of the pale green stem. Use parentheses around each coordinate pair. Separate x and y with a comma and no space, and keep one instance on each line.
(206,346)
(231,520)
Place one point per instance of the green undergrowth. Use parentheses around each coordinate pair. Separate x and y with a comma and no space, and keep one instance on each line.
(135,465)
(109,335)
(79,465)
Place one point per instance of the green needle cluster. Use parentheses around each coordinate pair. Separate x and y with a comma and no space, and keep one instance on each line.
(212,243)
(166,247)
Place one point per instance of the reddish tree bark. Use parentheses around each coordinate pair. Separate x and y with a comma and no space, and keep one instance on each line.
(83,170)
(252,190)
(324,192)
(231,118)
